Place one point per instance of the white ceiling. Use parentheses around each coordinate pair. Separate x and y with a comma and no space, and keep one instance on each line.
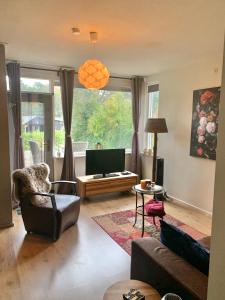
(136,37)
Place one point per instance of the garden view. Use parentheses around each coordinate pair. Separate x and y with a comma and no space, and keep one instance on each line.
(99,116)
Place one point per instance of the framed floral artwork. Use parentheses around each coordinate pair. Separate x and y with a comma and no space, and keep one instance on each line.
(204,127)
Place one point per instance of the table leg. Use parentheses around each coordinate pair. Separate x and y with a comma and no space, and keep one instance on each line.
(154,220)
(143,214)
(135,220)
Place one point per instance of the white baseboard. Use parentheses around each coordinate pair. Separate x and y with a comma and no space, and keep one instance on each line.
(190,205)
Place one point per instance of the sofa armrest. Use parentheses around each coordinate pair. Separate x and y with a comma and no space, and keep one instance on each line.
(154,263)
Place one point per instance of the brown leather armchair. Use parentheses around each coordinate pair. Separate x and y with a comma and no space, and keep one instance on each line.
(44,212)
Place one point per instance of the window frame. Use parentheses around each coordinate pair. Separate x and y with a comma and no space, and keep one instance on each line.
(152,88)
(38,80)
(115,84)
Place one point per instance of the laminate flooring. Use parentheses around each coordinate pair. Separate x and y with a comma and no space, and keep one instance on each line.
(82,263)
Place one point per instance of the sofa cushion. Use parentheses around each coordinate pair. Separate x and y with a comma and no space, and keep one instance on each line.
(185,246)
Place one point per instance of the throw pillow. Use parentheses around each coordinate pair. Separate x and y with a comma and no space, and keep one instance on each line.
(185,246)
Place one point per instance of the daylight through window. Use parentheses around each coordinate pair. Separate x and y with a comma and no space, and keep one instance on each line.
(99,116)
(153,107)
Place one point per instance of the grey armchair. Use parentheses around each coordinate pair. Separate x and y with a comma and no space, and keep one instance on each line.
(44,212)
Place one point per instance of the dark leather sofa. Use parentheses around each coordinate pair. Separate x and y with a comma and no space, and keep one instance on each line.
(154,263)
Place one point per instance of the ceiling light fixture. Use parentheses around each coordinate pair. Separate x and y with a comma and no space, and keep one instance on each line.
(93,36)
(93,74)
(75,30)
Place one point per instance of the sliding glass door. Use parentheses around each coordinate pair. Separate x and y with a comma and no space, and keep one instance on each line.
(37,128)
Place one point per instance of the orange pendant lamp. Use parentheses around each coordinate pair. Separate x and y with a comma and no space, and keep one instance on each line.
(93,74)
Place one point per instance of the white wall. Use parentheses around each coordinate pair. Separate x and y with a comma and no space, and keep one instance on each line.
(186,178)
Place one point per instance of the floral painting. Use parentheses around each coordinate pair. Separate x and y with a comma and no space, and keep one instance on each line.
(205,123)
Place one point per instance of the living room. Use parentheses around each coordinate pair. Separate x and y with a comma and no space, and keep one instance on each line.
(176,48)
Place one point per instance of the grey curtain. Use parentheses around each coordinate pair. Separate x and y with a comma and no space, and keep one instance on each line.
(13,70)
(137,93)
(67,86)
(14,84)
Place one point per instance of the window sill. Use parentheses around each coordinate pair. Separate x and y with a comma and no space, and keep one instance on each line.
(148,153)
(75,154)
(83,154)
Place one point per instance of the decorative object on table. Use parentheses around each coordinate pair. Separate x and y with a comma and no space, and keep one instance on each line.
(148,184)
(120,288)
(133,294)
(171,296)
(145,183)
(119,226)
(98,146)
(204,127)
(155,125)
(93,74)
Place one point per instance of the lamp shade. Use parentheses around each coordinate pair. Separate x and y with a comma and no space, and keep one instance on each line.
(156,125)
(93,74)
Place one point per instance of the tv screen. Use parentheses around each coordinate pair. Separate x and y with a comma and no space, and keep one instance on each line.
(105,161)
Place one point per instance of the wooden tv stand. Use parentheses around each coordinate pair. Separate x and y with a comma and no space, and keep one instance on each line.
(88,186)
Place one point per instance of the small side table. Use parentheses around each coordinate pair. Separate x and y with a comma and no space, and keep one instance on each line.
(157,189)
(116,291)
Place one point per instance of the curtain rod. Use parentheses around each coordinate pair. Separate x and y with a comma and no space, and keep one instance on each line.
(55,70)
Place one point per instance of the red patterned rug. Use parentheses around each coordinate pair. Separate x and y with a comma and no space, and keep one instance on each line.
(119,226)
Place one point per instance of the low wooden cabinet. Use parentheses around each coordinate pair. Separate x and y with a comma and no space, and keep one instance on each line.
(88,186)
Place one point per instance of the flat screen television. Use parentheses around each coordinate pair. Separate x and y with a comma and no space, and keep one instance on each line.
(105,161)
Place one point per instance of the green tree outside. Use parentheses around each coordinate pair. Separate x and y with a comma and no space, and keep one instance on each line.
(98,116)
(111,124)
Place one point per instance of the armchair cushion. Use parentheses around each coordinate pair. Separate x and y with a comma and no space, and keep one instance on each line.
(33,179)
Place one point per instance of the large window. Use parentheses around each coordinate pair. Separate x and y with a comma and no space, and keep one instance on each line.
(35,85)
(33,117)
(153,107)
(99,116)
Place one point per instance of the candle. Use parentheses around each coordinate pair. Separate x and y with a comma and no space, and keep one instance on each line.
(143,183)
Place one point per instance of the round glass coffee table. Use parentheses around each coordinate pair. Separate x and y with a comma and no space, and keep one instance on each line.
(116,291)
(157,189)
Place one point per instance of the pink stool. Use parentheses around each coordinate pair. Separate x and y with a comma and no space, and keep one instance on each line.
(155,208)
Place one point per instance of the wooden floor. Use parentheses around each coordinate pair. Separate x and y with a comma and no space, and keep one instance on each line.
(82,263)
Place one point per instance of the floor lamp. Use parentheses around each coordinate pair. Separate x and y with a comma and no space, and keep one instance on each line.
(155,126)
